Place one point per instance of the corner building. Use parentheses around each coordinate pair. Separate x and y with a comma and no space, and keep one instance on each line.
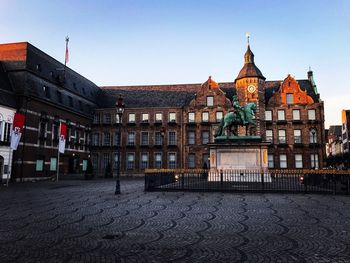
(169,126)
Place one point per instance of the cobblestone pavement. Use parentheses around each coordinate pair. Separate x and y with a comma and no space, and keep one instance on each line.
(83,221)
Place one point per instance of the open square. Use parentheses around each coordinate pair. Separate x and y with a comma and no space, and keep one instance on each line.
(83,221)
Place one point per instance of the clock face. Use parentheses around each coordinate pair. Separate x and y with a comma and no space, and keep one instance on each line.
(251,88)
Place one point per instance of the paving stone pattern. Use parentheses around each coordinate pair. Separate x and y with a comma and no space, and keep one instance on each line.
(83,221)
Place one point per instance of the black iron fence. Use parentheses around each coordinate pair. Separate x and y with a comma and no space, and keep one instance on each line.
(285,181)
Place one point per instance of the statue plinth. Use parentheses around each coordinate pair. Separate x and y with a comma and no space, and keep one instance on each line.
(237,139)
(238,153)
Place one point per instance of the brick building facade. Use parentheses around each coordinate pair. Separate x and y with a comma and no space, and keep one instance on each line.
(47,93)
(163,126)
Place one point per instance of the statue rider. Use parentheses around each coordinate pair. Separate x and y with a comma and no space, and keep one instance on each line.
(238,109)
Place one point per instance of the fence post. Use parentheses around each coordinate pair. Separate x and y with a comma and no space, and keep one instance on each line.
(221,179)
(182,180)
(306,179)
(262,179)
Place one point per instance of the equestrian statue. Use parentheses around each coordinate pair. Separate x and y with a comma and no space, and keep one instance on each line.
(242,115)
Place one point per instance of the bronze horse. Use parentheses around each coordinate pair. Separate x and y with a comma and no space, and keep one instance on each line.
(232,118)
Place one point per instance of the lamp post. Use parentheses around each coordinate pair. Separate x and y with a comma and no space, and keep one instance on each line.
(119,106)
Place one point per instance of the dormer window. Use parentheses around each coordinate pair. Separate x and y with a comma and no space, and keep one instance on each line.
(172,117)
(290,98)
(145,117)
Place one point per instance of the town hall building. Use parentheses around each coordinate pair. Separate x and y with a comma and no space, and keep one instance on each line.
(163,126)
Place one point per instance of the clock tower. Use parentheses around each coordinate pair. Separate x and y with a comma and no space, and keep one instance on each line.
(250,87)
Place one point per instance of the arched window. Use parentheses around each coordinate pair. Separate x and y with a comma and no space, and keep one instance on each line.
(313,135)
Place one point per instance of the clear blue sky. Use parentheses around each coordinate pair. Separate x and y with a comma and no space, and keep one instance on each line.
(182,41)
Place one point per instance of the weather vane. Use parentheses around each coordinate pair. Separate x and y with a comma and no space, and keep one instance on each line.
(247,36)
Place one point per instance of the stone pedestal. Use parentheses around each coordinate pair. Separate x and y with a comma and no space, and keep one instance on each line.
(240,155)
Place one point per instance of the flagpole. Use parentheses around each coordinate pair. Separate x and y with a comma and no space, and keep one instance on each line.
(8,169)
(58,154)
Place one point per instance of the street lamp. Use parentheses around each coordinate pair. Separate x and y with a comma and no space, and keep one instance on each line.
(119,106)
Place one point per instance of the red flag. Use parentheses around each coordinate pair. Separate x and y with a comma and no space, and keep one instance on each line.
(63,135)
(17,128)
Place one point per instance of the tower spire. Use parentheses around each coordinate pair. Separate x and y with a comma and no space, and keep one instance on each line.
(247,36)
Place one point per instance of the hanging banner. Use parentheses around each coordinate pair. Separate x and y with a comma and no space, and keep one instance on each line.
(63,135)
(17,129)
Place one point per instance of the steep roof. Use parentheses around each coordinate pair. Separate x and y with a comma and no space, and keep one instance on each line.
(249,69)
(145,98)
(178,95)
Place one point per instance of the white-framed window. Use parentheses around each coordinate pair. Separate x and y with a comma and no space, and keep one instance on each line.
(311,114)
(106,139)
(191,117)
(116,139)
(313,136)
(96,139)
(290,98)
(107,118)
(172,138)
(269,135)
(268,115)
(144,161)
(131,118)
(205,116)
(205,137)
(158,138)
(144,117)
(39,166)
(283,160)
(191,137)
(296,115)
(96,118)
(281,115)
(106,160)
(95,161)
(282,136)
(53,164)
(270,161)
(42,130)
(210,101)
(172,116)
(5,131)
(158,160)
(171,160)
(131,138)
(144,138)
(297,136)
(314,160)
(191,160)
(219,116)
(159,117)
(130,161)
(298,160)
